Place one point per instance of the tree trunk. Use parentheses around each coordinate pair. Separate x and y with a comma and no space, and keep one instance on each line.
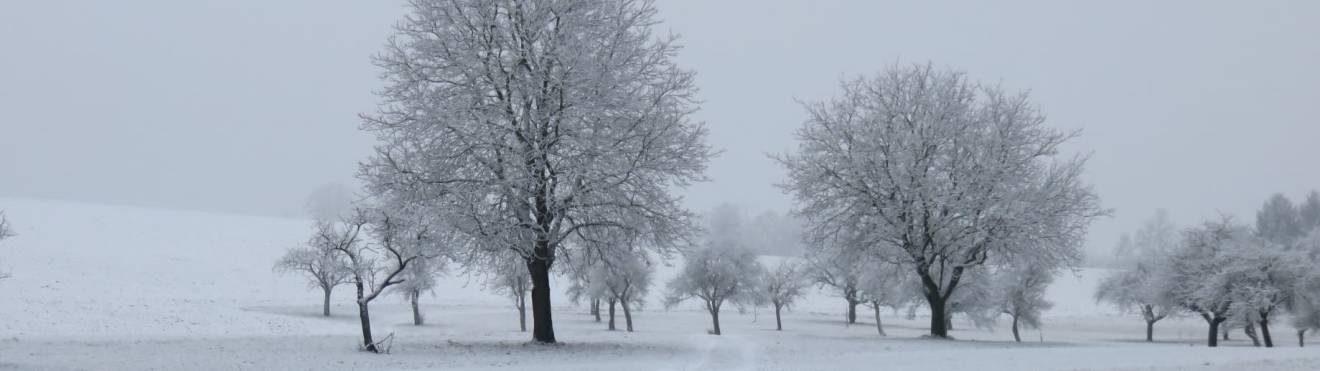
(367,342)
(1214,332)
(715,318)
(1016,337)
(852,311)
(1225,331)
(879,326)
(543,329)
(779,325)
(1301,338)
(611,301)
(1150,331)
(521,303)
(1265,332)
(417,314)
(325,306)
(1250,330)
(939,324)
(627,315)
(595,308)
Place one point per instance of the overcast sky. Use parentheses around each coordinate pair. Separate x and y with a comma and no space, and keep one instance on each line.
(246,106)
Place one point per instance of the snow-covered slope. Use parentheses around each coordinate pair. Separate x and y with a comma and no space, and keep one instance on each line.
(113,287)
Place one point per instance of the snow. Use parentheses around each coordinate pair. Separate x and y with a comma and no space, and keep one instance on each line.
(123,288)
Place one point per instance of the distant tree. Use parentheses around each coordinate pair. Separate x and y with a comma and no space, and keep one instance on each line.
(886,286)
(624,280)
(418,279)
(1196,268)
(1139,282)
(1022,294)
(783,286)
(322,265)
(941,172)
(511,278)
(839,270)
(1278,221)
(329,202)
(580,289)
(724,270)
(5,232)
(1308,213)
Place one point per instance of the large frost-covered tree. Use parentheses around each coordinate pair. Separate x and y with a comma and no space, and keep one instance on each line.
(1139,282)
(940,174)
(535,120)
(322,265)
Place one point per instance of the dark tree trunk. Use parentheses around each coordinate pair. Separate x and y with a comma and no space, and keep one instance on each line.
(325,305)
(1301,338)
(1150,331)
(1265,332)
(714,310)
(1016,336)
(1214,331)
(779,325)
(543,329)
(1225,331)
(417,314)
(627,315)
(611,301)
(595,308)
(852,311)
(367,342)
(939,324)
(878,326)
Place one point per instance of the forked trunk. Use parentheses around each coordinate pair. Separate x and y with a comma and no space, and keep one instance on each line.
(714,316)
(1214,331)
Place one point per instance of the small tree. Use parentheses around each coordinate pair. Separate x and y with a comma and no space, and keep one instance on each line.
(1195,269)
(623,280)
(886,285)
(1139,284)
(510,277)
(322,265)
(374,265)
(839,270)
(5,232)
(1022,291)
(419,278)
(783,286)
(716,275)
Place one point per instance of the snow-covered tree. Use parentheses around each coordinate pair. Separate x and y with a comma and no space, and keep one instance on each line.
(783,286)
(1278,221)
(723,270)
(418,279)
(510,278)
(1138,284)
(886,286)
(1308,213)
(1021,291)
(536,120)
(396,241)
(838,270)
(624,280)
(1196,267)
(322,265)
(942,173)
(5,232)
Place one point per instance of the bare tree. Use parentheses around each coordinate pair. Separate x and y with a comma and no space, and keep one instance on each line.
(374,265)
(322,265)
(939,174)
(717,274)
(1022,295)
(784,286)
(538,120)
(839,270)
(623,280)
(1139,283)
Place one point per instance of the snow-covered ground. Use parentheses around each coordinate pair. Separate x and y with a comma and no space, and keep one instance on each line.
(123,288)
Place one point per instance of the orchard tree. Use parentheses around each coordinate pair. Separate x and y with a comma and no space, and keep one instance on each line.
(784,285)
(510,278)
(839,270)
(418,279)
(534,121)
(942,173)
(1021,291)
(885,285)
(1196,269)
(723,270)
(1139,284)
(319,261)
(624,280)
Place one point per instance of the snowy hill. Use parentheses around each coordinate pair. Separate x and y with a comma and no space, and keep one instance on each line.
(113,287)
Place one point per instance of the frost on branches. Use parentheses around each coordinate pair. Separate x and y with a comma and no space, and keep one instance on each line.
(529,122)
(940,174)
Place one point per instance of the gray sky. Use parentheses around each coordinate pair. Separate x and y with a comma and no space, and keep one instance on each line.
(246,106)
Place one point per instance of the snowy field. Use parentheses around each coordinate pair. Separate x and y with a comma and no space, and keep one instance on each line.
(121,288)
